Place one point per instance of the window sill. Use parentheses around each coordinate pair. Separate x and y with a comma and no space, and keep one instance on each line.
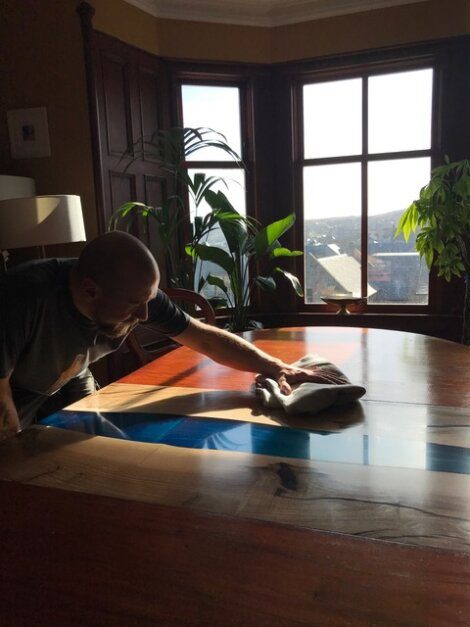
(445,326)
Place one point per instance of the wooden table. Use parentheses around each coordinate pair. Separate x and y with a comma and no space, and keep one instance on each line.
(241,516)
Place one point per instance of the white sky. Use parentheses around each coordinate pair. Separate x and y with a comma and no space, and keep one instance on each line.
(399,119)
(217,108)
(234,189)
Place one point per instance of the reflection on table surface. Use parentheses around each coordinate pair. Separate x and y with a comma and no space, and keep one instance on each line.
(263,439)
(186,432)
(393,366)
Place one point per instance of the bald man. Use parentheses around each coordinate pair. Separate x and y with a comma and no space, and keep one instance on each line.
(59,315)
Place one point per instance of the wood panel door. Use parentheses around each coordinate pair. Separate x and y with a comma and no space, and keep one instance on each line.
(131,101)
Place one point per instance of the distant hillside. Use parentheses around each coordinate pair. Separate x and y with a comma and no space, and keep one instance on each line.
(381,227)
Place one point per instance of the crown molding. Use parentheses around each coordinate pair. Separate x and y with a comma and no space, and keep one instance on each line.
(266,13)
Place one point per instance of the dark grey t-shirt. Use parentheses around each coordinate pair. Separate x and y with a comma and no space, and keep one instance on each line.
(44,340)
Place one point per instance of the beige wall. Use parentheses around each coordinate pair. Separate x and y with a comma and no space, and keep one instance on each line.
(383,27)
(43,65)
(198,40)
(181,39)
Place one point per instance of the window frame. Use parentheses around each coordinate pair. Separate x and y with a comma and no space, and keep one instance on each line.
(364,71)
(271,158)
(223,75)
(215,78)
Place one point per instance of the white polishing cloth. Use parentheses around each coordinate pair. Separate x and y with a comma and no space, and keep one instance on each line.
(310,398)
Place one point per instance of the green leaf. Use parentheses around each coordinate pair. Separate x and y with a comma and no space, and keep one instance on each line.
(189,250)
(218,282)
(429,256)
(271,233)
(266,283)
(197,226)
(218,302)
(201,283)
(407,219)
(170,148)
(284,252)
(235,233)
(202,184)
(127,207)
(233,225)
(218,200)
(293,280)
(213,254)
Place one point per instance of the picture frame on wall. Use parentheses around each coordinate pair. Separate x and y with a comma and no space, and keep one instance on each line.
(29,133)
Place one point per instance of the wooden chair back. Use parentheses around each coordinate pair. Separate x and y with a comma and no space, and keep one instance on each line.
(196,305)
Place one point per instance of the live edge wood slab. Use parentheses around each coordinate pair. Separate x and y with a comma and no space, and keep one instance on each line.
(79,559)
(365,520)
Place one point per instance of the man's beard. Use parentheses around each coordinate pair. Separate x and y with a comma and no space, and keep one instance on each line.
(119,330)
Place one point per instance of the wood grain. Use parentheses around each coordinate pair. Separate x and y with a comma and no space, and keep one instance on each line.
(405,505)
(393,366)
(146,565)
(401,421)
(151,534)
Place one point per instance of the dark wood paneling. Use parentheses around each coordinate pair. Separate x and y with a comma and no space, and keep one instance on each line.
(131,94)
(121,189)
(77,559)
(155,191)
(118,125)
(149,106)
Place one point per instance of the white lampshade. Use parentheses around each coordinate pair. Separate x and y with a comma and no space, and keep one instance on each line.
(16,186)
(40,221)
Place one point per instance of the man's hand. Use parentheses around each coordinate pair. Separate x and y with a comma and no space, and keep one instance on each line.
(9,421)
(233,351)
(288,375)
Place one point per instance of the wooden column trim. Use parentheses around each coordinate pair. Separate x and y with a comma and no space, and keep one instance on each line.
(86,13)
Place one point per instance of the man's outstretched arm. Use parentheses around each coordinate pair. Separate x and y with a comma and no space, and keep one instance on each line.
(231,350)
(9,421)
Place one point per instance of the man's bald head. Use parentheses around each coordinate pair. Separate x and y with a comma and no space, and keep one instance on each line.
(117,260)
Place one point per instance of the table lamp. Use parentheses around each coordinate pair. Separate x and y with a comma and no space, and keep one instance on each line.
(40,221)
(16,186)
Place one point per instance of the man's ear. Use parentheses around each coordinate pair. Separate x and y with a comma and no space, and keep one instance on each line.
(90,289)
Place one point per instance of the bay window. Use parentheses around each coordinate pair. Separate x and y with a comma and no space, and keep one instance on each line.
(365,144)
(217,107)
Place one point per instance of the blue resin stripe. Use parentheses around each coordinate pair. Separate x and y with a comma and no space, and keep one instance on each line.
(260,439)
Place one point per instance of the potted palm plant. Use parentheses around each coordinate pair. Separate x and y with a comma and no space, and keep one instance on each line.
(442,215)
(169,150)
(245,241)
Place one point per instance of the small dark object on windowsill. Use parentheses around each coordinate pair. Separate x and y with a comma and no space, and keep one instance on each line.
(343,301)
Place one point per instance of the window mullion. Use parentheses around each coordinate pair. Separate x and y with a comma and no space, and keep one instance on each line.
(364,195)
